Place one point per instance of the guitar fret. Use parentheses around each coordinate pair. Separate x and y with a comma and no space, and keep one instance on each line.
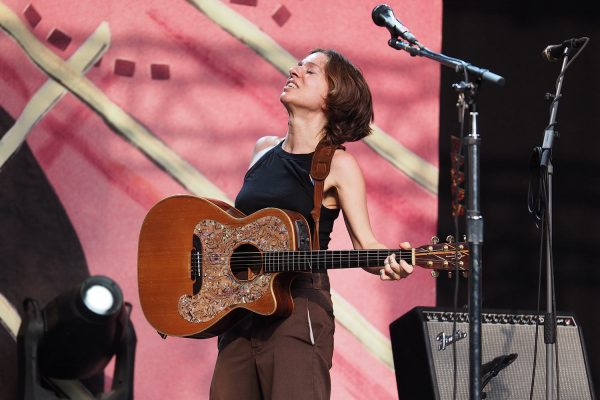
(273,263)
(280,262)
(270,263)
(295,265)
(265,262)
(321,261)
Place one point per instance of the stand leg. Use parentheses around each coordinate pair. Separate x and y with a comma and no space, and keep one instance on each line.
(30,334)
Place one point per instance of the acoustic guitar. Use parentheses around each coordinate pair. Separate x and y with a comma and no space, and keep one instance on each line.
(203,264)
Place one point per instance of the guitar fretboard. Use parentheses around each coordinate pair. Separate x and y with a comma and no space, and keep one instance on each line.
(321,260)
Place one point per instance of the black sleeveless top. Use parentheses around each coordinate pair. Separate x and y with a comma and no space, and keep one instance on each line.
(282,180)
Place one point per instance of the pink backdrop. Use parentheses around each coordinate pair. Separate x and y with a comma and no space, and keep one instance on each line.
(220,97)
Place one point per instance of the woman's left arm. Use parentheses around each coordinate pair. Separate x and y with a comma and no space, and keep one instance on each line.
(347,178)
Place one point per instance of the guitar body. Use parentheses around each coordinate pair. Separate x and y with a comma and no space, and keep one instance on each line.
(191,282)
(202,263)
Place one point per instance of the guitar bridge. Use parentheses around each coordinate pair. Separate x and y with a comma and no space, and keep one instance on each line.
(196,264)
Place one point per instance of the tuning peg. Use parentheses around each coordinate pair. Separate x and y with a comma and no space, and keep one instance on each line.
(464,237)
(449,239)
(465,274)
(434,273)
(449,274)
(435,240)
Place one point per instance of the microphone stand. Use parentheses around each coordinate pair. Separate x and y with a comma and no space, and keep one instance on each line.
(546,171)
(467,93)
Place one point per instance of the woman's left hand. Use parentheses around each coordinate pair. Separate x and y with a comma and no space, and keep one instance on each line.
(394,270)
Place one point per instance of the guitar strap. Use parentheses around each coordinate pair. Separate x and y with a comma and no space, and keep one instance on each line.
(319,169)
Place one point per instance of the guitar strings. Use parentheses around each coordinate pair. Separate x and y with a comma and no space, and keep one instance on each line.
(324,253)
(402,252)
(301,257)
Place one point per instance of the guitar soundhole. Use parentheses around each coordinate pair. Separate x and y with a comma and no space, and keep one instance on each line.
(246,262)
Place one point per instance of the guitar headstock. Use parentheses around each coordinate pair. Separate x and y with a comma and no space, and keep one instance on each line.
(448,256)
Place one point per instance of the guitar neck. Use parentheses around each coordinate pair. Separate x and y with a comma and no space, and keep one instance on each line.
(322,260)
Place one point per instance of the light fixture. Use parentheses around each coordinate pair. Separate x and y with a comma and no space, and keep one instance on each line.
(74,337)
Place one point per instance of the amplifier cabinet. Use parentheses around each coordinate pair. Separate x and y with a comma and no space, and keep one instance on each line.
(423,344)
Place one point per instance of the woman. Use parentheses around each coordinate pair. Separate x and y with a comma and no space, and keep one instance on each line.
(328,100)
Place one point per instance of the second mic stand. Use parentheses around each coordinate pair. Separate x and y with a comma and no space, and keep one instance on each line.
(546,170)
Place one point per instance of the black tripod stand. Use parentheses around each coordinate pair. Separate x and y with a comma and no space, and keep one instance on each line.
(540,204)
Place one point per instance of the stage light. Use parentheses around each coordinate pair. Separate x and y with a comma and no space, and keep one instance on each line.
(74,337)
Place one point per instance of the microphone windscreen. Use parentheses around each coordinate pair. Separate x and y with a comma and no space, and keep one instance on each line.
(378,14)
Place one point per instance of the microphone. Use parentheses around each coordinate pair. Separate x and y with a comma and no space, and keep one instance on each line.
(555,52)
(384,16)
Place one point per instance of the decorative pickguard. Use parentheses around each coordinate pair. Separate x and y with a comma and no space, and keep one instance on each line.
(220,289)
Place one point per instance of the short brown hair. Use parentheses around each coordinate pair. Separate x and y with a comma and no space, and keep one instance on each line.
(348,106)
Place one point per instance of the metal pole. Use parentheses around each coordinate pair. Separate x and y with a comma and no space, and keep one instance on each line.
(549,321)
(475,239)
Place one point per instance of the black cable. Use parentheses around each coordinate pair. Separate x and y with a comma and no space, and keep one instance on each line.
(535,205)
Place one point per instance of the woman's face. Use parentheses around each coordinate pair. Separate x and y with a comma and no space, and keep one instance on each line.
(307,86)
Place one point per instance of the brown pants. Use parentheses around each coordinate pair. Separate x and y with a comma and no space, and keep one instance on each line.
(271,358)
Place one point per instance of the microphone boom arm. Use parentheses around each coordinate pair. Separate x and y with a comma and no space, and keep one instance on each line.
(454,63)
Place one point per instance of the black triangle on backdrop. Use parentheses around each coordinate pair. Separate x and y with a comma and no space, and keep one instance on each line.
(40,253)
